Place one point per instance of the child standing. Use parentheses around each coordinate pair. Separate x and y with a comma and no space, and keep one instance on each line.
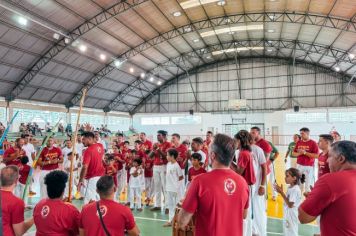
(292,201)
(197,168)
(173,176)
(135,184)
(111,167)
(66,167)
(24,171)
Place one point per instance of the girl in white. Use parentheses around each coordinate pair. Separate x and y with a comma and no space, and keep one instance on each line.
(135,184)
(292,201)
(173,176)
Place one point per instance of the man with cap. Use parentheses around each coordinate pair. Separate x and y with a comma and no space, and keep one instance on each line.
(159,156)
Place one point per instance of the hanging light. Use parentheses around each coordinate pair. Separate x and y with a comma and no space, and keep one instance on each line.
(152,79)
(132,70)
(22,20)
(82,48)
(143,75)
(103,57)
(159,82)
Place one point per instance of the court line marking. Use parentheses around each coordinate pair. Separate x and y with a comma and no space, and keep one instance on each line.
(152,219)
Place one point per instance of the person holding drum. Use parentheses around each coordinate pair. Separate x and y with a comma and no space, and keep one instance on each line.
(217,196)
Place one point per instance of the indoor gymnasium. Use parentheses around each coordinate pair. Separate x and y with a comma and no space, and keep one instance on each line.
(178,117)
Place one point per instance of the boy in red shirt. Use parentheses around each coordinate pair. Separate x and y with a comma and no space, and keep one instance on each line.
(24,171)
(148,173)
(111,167)
(197,168)
(121,175)
(325,141)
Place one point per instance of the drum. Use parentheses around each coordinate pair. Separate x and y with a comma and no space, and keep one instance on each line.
(176,231)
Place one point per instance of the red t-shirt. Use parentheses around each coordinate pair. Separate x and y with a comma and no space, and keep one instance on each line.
(266,147)
(158,161)
(24,172)
(147,145)
(112,171)
(246,161)
(182,155)
(17,161)
(93,157)
(211,197)
(12,209)
(116,217)
(148,165)
(55,217)
(309,146)
(192,172)
(333,197)
(50,154)
(119,164)
(323,164)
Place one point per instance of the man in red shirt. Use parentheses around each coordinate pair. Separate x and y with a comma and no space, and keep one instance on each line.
(52,215)
(306,151)
(333,196)
(146,145)
(13,155)
(206,145)
(12,208)
(159,156)
(120,140)
(92,168)
(116,217)
(325,141)
(218,199)
(181,160)
(48,161)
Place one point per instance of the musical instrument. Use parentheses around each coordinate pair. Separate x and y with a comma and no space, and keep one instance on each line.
(190,229)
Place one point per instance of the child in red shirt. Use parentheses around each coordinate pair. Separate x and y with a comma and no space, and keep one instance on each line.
(111,167)
(197,168)
(24,171)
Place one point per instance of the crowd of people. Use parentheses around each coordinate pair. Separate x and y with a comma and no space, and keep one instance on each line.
(218,180)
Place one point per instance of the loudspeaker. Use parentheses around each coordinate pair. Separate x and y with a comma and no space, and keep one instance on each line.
(296,108)
(191,112)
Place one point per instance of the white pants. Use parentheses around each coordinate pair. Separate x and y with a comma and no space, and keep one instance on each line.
(43,187)
(88,191)
(290,222)
(259,222)
(181,187)
(171,204)
(247,223)
(121,182)
(159,179)
(149,187)
(135,192)
(74,187)
(272,179)
(308,171)
(20,188)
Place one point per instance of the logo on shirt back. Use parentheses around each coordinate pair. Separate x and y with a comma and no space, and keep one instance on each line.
(229,186)
(103,211)
(45,211)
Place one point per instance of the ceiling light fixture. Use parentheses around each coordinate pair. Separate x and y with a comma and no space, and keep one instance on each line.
(221,3)
(82,48)
(103,57)
(177,13)
(195,40)
(236,50)
(208,57)
(66,40)
(337,68)
(196,3)
(117,63)
(152,79)
(269,50)
(230,29)
(132,70)
(56,36)
(142,75)
(22,20)
(270,31)
(351,56)
(159,82)
(231,32)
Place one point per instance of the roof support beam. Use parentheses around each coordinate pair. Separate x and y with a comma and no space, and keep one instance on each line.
(59,46)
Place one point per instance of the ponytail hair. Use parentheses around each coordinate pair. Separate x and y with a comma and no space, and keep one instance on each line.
(300,178)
